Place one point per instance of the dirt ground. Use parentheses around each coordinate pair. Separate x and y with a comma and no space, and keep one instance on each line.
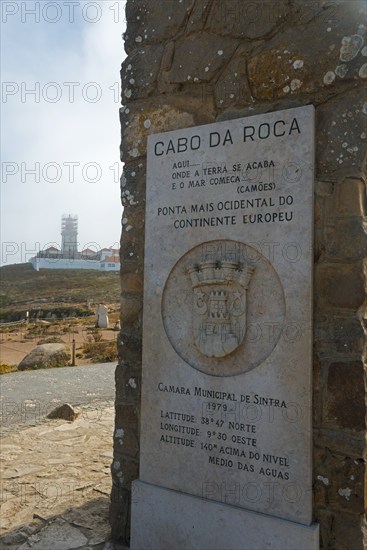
(17,341)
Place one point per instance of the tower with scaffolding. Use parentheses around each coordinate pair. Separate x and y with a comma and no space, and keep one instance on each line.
(69,257)
(69,234)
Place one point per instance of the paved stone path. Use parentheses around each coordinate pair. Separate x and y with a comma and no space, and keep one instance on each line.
(55,475)
(56,483)
(27,397)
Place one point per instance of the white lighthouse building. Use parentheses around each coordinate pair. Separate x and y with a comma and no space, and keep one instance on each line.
(69,257)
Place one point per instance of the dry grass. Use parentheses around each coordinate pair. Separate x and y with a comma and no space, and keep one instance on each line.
(100,352)
(62,305)
(91,345)
(64,292)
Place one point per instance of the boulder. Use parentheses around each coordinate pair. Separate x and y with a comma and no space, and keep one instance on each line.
(65,412)
(46,356)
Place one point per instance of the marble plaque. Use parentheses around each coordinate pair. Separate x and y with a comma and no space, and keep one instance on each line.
(227,335)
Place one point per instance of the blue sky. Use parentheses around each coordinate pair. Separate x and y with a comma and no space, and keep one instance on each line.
(60,144)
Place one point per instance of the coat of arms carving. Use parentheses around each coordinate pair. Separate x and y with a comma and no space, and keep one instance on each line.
(219,305)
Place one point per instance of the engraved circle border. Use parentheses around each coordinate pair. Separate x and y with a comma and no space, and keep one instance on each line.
(236,362)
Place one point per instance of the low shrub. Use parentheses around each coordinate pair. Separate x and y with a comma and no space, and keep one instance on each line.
(5,369)
(100,352)
(51,340)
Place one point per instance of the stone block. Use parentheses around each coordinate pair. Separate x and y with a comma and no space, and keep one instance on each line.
(140,119)
(164,84)
(258,108)
(246,19)
(168,56)
(348,532)
(198,16)
(322,216)
(126,413)
(338,482)
(341,137)
(129,469)
(346,240)
(130,388)
(127,441)
(199,57)
(139,72)
(120,513)
(147,25)
(132,253)
(130,341)
(319,495)
(304,11)
(232,89)
(317,391)
(350,198)
(291,65)
(131,308)
(132,183)
(352,445)
(161,516)
(338,334)
(131,281)
(133,216)
(345,404)
(325,520)
(124,372)
(339,286)
(323,188)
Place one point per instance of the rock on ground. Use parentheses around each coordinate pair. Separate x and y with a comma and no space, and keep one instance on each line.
(46,356)
(64,412)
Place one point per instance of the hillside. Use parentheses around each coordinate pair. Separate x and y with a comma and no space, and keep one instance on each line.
(54,291)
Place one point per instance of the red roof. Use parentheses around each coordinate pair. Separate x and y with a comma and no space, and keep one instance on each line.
(88,251)
(52,248)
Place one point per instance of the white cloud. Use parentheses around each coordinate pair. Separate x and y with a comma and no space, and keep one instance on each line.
(53,134)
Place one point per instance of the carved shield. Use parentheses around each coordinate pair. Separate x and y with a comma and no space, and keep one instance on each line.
(219,306)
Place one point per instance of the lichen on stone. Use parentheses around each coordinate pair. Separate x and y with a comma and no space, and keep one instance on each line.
(329,78)
(363,71)
(350,47)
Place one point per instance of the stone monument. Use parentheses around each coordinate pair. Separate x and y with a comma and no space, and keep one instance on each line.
(217,429)
(102,316)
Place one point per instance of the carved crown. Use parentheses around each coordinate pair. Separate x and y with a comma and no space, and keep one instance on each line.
(220,272)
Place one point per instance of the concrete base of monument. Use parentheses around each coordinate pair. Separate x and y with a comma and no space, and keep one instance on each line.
(163,519)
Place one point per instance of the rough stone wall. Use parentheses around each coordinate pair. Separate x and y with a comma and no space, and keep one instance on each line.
(193,62)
